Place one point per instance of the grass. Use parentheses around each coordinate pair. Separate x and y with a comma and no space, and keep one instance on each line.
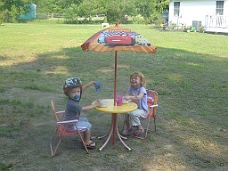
(189,72)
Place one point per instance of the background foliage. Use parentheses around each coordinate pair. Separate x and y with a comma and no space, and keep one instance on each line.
(115,11)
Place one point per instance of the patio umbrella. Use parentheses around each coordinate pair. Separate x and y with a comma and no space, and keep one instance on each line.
(117,39)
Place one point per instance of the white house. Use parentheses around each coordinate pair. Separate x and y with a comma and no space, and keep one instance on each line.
(211,14)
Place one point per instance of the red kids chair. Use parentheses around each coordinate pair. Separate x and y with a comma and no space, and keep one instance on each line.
(152,102)
(61,130)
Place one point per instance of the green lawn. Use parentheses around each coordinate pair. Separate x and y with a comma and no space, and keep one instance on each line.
(189,72)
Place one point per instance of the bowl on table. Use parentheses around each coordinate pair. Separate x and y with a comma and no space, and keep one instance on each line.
(125,101)
(104,103)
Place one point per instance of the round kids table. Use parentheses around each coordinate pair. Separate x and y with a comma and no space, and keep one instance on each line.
(114,110)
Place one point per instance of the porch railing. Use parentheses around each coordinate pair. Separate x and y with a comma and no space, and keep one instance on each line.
(216,21)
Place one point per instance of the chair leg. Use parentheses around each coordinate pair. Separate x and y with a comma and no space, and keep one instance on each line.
(82,140)
(147,128)
(155,124)
(153,130)
(146,131)
(57,146)
(53,152)
(83,143)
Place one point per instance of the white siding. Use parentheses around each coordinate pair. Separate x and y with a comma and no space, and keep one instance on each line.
(191,10)
(226,8)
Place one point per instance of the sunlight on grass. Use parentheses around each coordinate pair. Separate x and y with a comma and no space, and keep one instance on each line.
(105,70)
(59,57)
(123,66)
(193,64)
(166,163)
(61,69)
(18,60)
(175,77)
(206,146)
(38,87)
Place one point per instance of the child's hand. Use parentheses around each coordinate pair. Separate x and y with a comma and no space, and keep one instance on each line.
(127,97)
(97,103)
(92,83)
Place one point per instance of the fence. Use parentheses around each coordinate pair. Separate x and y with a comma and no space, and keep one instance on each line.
(216,21)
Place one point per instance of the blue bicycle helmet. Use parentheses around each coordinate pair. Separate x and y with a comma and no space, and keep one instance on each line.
(70,83)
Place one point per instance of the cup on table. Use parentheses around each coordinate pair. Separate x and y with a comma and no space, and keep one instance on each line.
(119,100)
(98,86)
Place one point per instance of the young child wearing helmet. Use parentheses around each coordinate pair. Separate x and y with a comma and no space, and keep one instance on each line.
(73,89)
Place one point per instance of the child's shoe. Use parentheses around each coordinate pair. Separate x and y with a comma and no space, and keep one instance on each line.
(127,132)
(138,132)
(90,145)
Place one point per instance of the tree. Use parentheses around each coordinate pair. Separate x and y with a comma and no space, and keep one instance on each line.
(12,9)
(2,12)
(145,8)
(87,8)
(162,6)
(127,8)
(114,10)
(70,14)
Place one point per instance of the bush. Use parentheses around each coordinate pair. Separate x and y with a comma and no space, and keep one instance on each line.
(201,29)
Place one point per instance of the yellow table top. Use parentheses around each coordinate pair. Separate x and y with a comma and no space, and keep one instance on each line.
(126,107)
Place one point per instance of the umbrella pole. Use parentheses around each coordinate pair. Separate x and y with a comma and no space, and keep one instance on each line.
(114,115)
(115,78)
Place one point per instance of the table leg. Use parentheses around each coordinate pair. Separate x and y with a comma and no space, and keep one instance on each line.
(109,133)
(109,136)
(104,135)
(122,137)
(112,132)
(114,121)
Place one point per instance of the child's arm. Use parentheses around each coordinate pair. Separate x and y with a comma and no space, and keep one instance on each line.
(92,106)
(138,97)
(127,94)
(88,85)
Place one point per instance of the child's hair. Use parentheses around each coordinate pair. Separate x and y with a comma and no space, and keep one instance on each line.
(141,76)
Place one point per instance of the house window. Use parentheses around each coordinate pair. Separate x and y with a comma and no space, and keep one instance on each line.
(219,7)
(176,8)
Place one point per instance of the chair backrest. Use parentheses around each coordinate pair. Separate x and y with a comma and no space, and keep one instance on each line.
(59,115)
(152,100)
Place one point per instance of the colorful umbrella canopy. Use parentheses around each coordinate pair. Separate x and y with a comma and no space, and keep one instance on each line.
(117,39)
